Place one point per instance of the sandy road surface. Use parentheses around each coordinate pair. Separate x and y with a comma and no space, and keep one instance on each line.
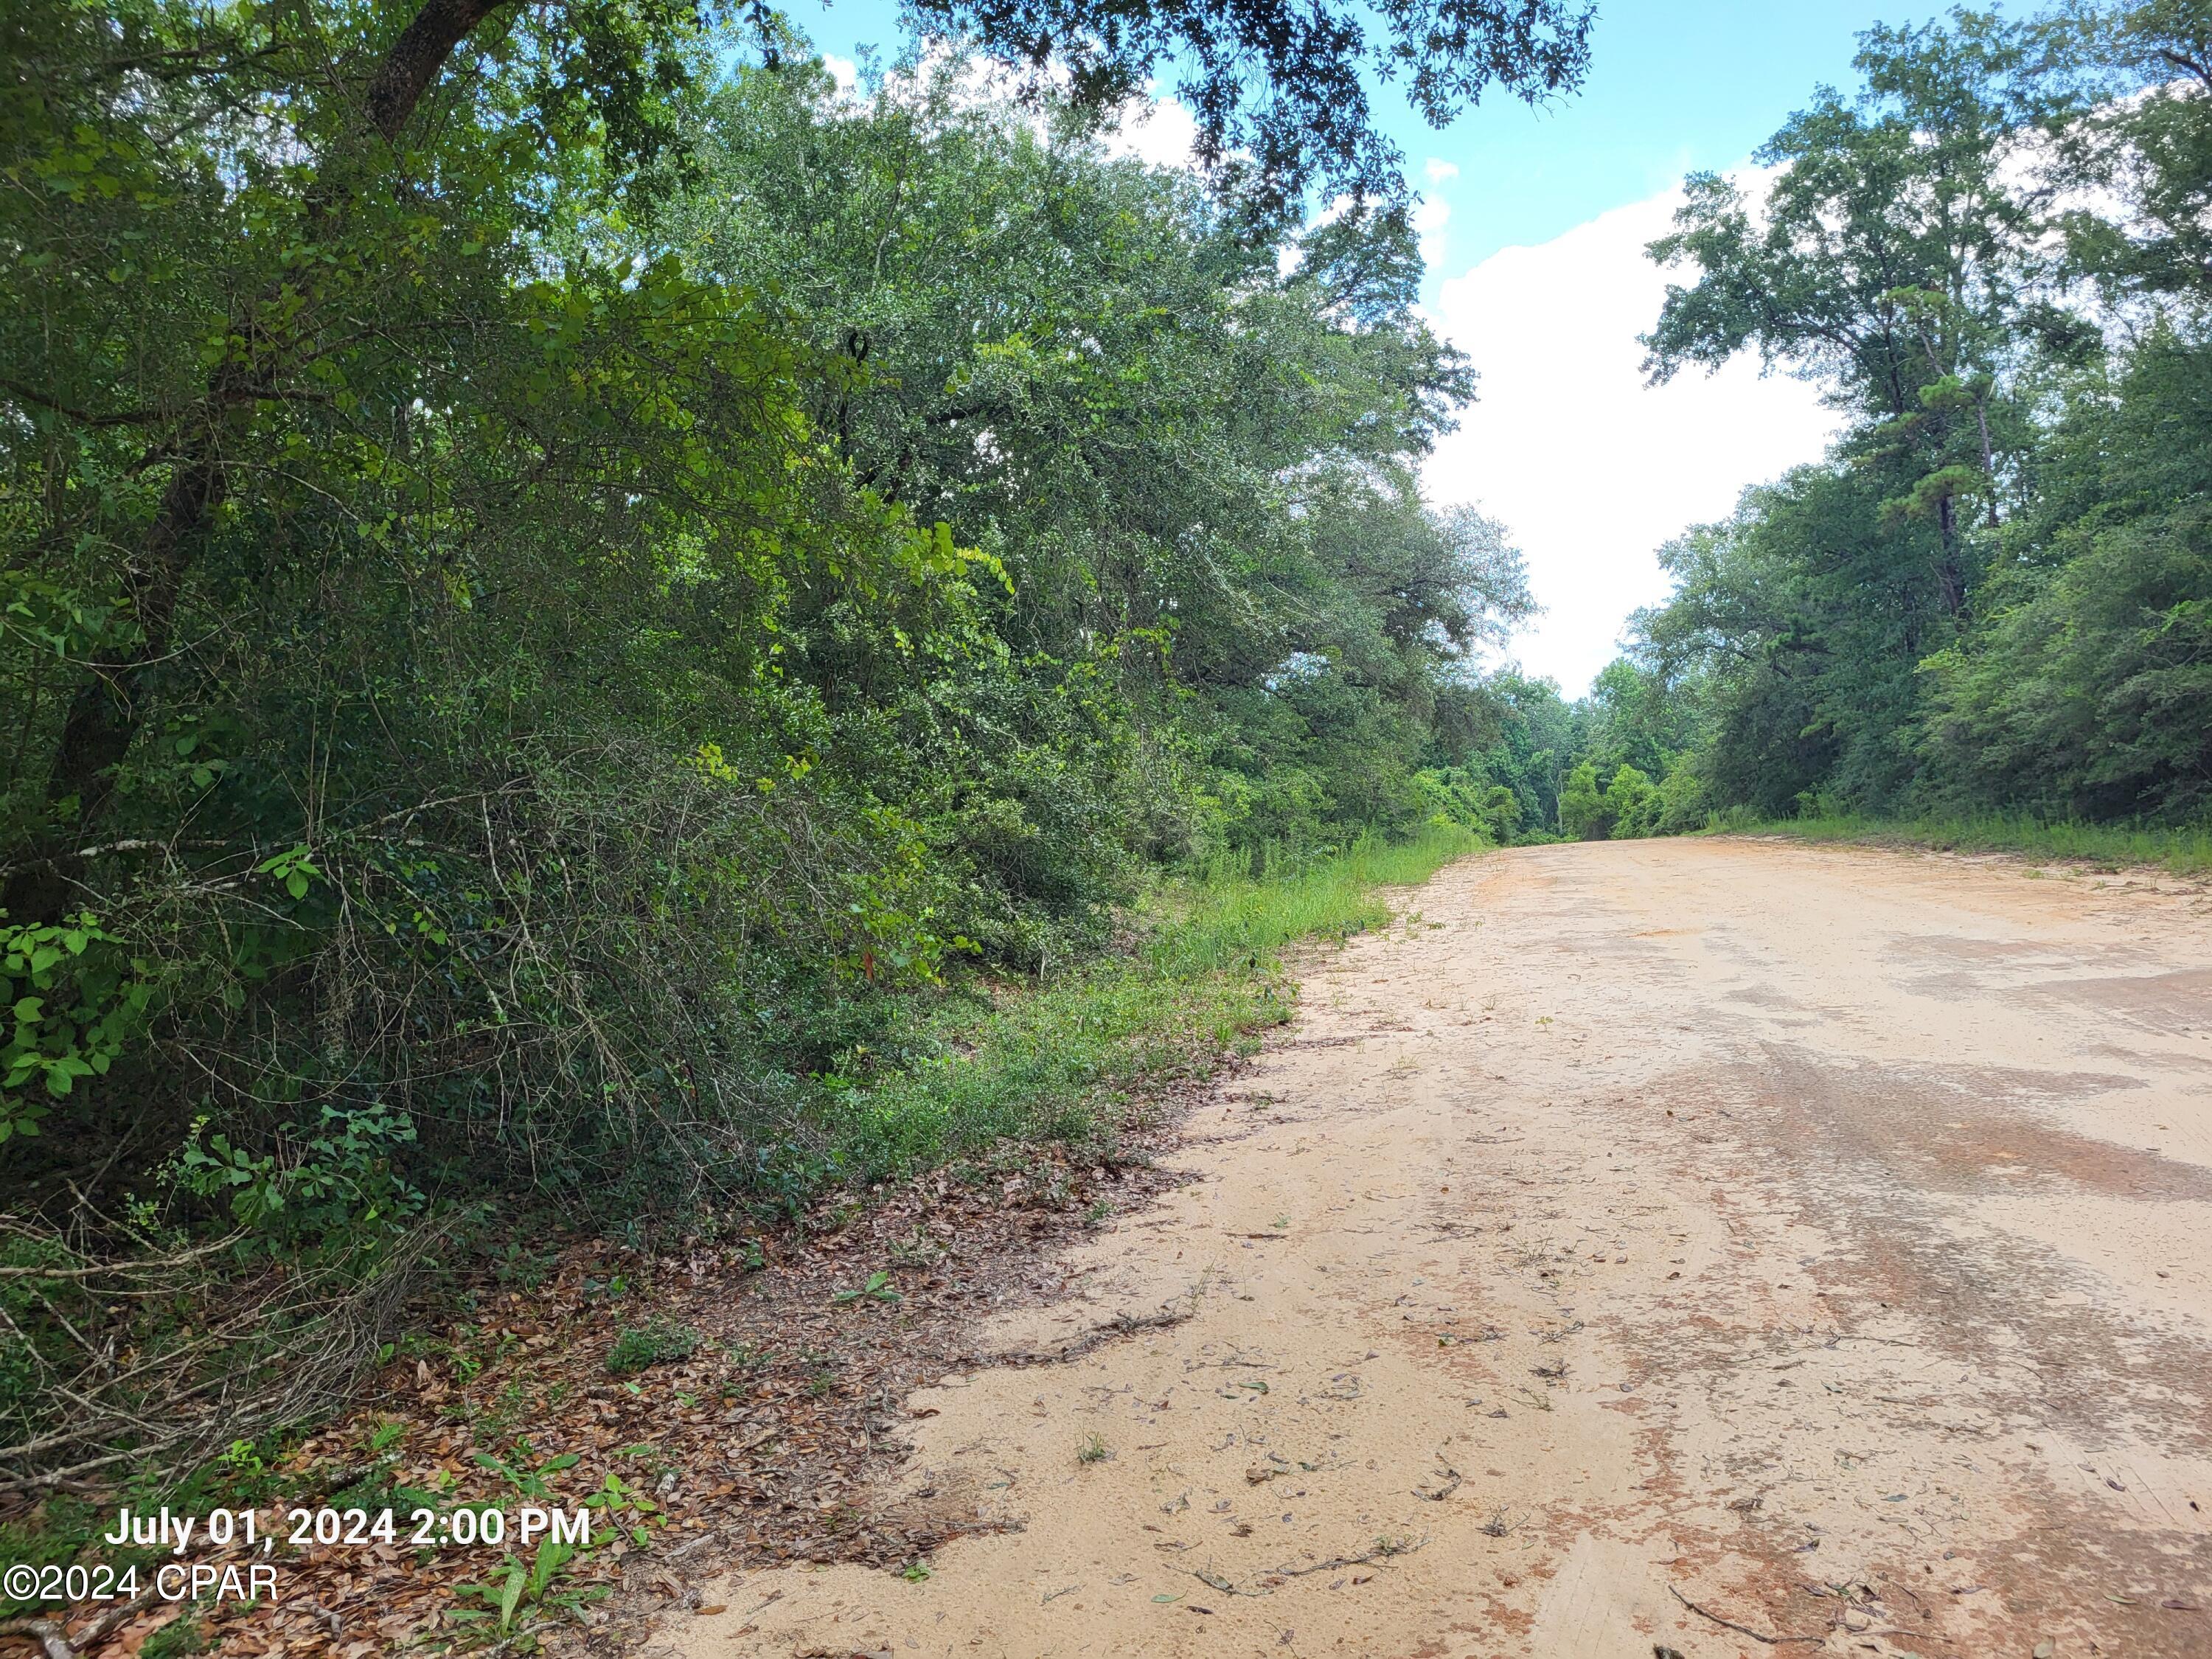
(1821,1236)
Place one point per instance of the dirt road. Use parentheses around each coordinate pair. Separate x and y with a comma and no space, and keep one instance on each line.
(1641,1237)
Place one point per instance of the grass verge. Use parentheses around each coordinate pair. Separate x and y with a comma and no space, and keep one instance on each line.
(1063,1063)
(2186,851)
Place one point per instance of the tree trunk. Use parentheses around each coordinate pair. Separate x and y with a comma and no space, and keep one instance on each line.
(1988,459)
(1949,573)
(103,717)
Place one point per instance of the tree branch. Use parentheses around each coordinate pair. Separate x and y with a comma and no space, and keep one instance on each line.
(416,59)
(2188,65)
(81,417)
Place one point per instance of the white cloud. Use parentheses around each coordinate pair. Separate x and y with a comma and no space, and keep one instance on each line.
(1160,132)
(843,70)
(1430,218)
(1440,171)
(1591,471)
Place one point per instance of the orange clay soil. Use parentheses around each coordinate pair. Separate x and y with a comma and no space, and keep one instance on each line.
(1702,1247)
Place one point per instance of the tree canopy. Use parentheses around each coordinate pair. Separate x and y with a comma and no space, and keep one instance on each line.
(1280,88)
(1992,594)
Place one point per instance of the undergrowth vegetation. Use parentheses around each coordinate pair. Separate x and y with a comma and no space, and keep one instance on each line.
(1065,1059)
(2184,851)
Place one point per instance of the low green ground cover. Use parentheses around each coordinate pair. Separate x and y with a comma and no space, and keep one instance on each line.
(1062,1060)
(2184,851)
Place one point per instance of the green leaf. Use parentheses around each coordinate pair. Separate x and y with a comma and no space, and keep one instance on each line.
(552,1556)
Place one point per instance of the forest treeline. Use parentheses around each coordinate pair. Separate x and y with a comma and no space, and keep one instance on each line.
(1994,594)
(566,578)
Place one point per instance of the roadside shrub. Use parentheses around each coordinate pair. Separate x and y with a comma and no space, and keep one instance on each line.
(1632,804)
(1465,797)
(1583,814)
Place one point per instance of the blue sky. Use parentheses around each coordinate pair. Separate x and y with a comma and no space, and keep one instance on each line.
(1534,234)
(1674,86)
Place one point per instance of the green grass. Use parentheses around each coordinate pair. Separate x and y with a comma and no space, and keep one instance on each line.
(1228,916)
(2186,851)
(1064,1062)
(637,1348)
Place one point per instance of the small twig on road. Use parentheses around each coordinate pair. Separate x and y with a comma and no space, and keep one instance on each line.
(1113,1331)
(1451,1483)
(1741,1629)
(1381,1551)
(1215,1581)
